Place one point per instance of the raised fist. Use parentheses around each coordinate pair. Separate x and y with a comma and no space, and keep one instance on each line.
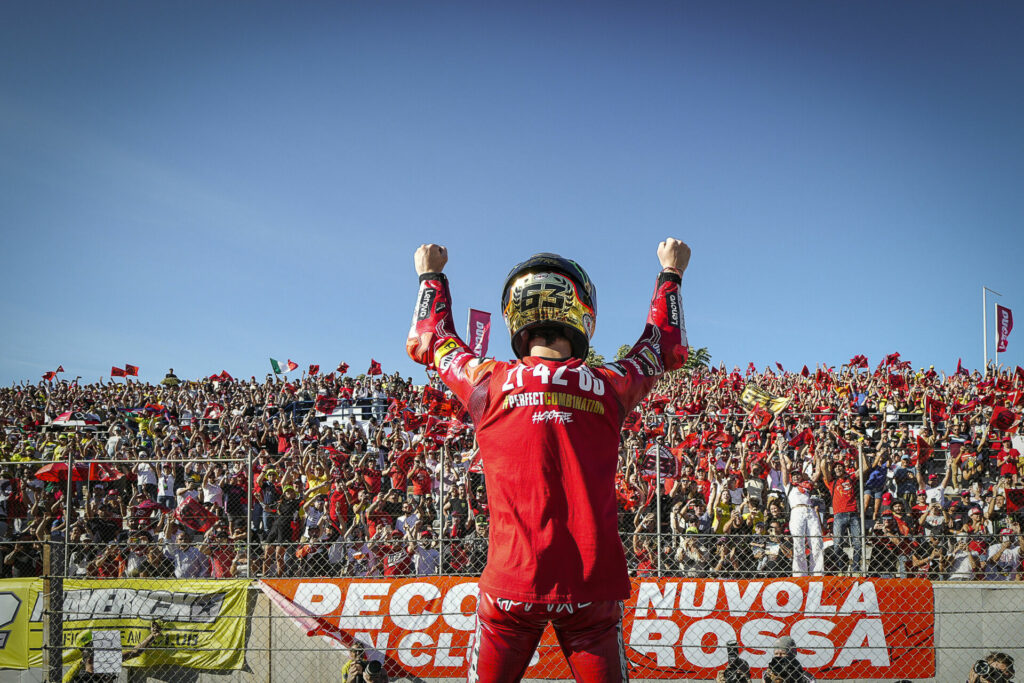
(430,258)
(673,253)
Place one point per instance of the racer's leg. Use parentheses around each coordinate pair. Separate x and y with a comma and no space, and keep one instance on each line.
(591,640)
(507,633)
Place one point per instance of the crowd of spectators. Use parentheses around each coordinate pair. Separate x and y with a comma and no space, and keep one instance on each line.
(330,475)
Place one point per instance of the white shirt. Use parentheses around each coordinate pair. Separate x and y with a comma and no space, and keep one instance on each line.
(145,474)
(797,496)
(213,494)
(165,484)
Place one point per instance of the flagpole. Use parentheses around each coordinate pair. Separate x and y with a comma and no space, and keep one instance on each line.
(995,310)
(984,324)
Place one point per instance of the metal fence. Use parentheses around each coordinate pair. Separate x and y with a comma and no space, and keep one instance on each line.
(862,605)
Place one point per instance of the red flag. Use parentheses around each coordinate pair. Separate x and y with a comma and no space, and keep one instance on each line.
(1003,419)
(922,451)
(1004,325)
(103,471)
(759,417)
(960,369)
(225,377)
(805,372)
(935,408)
(291,365)
(325,404)
(132,370)
(479,331)
(1019,372)
(1014,500)
(60,368)
(374,368)
(49,375)
(342,368)
(779,366)
(806,436)
(116,372)
(859,361)
(195,516)
(313,369)
(898,382)
(750,369)
(632,422)
(891,359)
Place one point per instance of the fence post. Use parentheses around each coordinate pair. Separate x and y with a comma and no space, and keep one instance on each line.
(657,502)
(251,495)
(440,511)
(54,646)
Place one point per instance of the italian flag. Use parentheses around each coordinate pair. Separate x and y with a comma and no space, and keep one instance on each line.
(280,368)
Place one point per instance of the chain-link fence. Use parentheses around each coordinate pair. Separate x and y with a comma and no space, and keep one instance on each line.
(134,584)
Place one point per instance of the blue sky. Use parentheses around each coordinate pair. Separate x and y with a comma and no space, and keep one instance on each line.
(204,185)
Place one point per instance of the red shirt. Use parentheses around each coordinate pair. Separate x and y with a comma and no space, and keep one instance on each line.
(371,478)
(421,481)
(548,432)
(396,560)
(844,495)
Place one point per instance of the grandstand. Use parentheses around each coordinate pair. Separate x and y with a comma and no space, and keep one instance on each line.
(333,509)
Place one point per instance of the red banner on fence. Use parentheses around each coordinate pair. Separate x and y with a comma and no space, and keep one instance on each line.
(844,628)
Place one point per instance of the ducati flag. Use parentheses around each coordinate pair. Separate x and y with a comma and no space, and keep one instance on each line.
(1004,325)
(859,361)
(479,331)
(49,375)
(117,372)
(342,368)
(313,369)
(60,368)
(132,370)
(374,368)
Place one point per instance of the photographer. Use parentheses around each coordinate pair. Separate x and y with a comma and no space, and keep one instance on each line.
(737,671)
(997,667)
(784,666)
(359,669)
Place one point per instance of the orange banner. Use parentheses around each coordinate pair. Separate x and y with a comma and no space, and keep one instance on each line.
(674,628)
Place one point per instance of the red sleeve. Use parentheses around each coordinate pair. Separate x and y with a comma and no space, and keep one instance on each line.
(661,347)
(433,342)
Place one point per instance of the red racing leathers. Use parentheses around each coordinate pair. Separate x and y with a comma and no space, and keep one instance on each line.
(548,433)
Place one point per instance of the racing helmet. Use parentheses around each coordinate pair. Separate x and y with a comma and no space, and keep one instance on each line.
(547,290)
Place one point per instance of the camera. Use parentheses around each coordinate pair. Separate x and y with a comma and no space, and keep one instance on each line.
(373,667)
(990,673)
(737,671)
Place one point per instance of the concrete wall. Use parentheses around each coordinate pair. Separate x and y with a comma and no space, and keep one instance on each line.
(971,619)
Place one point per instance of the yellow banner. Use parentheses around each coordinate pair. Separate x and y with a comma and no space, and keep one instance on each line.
(753,395)
(202,622)
(21,623)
